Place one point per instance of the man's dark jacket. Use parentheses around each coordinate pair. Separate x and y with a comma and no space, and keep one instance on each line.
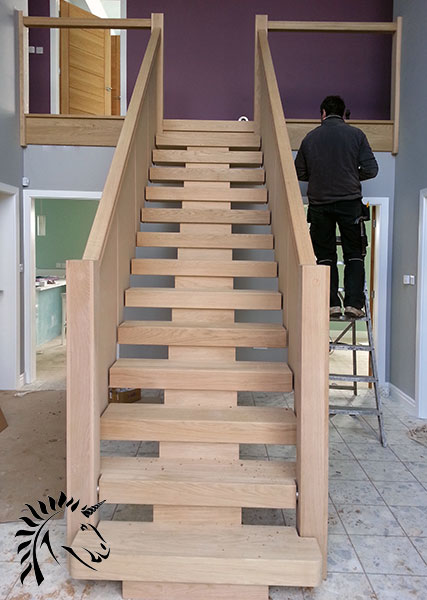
(334,158)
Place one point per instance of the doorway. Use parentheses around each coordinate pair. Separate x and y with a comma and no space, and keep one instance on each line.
(9,289)
(38,201)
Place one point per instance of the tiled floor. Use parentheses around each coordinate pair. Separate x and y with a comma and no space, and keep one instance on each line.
(377,515)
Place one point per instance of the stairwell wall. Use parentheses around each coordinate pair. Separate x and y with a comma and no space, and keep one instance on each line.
(411,177)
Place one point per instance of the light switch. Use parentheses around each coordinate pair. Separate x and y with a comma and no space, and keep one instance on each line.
(409,280)
(31,50)
(39,50)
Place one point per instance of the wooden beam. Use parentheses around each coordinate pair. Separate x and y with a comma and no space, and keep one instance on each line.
(76,23)
(72,130)
(332,26)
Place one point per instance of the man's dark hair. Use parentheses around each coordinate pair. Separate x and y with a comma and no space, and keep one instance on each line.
(333,105)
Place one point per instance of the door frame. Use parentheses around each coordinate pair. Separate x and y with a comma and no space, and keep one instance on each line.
(54,61)
(10,288)
(29,196)
(421,323)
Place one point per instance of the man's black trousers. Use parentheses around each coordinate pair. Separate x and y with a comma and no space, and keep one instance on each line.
(323,221)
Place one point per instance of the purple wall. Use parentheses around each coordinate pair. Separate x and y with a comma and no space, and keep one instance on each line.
(39,64)
(209,50)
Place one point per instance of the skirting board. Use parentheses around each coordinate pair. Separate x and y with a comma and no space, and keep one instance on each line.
(397,393)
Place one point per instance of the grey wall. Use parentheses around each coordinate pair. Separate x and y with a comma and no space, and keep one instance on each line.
(10,150)
(79,168)
(411,177)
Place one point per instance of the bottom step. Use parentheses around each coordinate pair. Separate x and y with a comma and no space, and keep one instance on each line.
(239,555)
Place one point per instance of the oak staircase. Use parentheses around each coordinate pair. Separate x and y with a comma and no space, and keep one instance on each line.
(202,190)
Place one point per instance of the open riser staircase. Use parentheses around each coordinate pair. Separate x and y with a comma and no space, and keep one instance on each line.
(206,184)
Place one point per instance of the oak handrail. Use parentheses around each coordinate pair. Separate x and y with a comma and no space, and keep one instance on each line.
(101,225)
(305,289)
(79,23)
(301,239)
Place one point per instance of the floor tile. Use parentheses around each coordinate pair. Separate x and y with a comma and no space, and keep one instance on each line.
(269,399)
(115,448)
(133,512)
(253,451)
(419,469)
(420,544)
(262,516)
(245,399)
(348,470)
(371,452)
(398,493)
(285,452)
(369,520)
(390,422)
(285,593)
(341,555)
(378,470)
(106,512)
(342,586)
(397,587)
(9,574)
(388,555)
(334,435)
(359,435)
(346,421)
(358,492)
(412,519)
(412,452)
(148,449)
(8,541)
(334,522)
(339,450)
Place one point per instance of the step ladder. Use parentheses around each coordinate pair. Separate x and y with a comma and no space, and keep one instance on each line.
(350,324)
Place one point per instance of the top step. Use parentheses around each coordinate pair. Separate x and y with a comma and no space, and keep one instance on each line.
(185,139)
(208,125)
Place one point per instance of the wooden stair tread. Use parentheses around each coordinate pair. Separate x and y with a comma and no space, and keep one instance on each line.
(251,175)
(157,422)
(207,125)
(207,268)
(207,240)
(184,139)
(200,215)
(250,483)
(199,298)
(208,155)
(269,335)
(204,375)
(241,554)
(205,194)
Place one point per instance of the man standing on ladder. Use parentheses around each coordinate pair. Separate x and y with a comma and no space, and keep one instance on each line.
(334,158)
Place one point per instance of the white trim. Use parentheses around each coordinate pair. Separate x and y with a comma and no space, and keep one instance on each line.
(397,394)
(421,327)
(10,347)
(30,268)
(123,61)
(54,61)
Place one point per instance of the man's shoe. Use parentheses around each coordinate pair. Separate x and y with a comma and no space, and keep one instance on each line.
(353,313)
(335,312)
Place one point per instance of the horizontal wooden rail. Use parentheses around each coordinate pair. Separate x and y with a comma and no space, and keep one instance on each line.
(332,26)
(76,23)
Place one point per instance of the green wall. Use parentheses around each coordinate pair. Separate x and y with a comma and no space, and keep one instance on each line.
(68,224)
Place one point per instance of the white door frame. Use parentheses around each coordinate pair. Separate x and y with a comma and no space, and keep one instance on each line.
(30,267)
(54,61)
(421,327)
(10,332)
(381,285)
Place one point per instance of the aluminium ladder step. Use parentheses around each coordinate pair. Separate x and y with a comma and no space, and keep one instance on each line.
(198,298)
(239,554)
(235,335)
(207,240)
(200,215)
(245,376)
(156,193)
(351,377)
(238,425)
(353,410)
(184,139)
(236,175)
(203,268)
(354,347)
(191,482)
(208,155)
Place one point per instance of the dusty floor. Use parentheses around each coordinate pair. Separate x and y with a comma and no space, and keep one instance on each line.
(377,514)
